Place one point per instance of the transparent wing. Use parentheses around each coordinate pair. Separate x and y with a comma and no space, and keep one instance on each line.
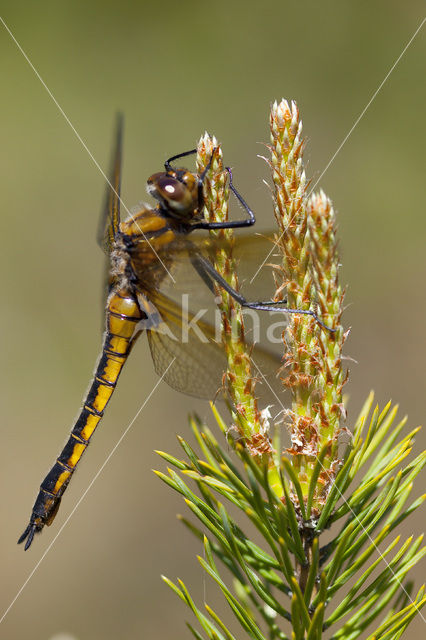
(254,254)
(110,215)
(186,353)
(109,220)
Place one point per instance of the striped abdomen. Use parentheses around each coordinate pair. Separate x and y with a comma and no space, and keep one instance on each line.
(123,314)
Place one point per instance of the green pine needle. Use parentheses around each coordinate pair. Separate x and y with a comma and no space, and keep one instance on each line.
(289,584)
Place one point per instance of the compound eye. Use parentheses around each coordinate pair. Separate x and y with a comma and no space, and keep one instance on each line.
(170,191)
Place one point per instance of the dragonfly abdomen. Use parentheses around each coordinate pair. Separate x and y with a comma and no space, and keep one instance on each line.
(123,315)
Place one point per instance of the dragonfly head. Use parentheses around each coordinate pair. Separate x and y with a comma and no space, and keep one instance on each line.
(177,192)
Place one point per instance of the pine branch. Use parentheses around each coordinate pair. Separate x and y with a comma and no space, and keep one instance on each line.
(290,584)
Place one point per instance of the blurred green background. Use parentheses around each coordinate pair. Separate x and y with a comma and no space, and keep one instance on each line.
(177,69)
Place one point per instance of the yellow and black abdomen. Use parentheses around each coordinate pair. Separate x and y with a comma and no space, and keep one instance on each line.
(123,315)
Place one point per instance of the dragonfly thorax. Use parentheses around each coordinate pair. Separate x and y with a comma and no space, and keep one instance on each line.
(120,264)
(177,192)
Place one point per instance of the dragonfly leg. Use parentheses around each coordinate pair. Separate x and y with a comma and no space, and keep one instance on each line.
(234,224)
(229,224)
(168,166)
(203,265)
(123,315)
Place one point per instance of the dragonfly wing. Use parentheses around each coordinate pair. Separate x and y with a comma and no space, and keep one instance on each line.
(186,353)
(110,215)
(188,372)
(250,252)
(109,220)
(254,254)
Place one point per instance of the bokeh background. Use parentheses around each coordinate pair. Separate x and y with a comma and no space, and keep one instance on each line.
(177,69)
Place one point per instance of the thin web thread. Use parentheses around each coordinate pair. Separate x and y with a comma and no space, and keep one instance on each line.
(352,512)
(158,382)
(345,139)
(80,139)
(101,468)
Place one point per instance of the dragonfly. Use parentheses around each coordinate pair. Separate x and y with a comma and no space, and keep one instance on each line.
(142,252)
